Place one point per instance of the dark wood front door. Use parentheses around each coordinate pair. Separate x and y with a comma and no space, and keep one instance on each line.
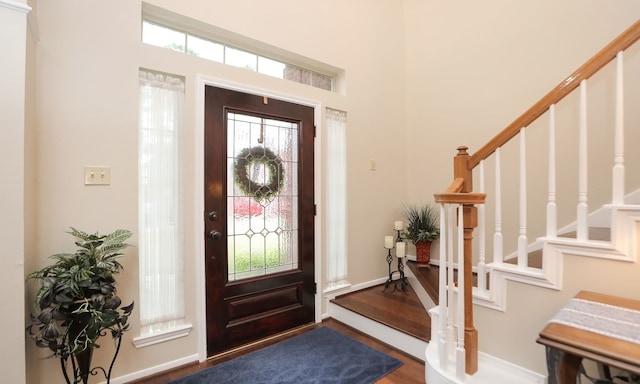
(259,217)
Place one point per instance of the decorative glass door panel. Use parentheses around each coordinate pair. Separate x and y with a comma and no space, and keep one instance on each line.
(259,217)
(262,195)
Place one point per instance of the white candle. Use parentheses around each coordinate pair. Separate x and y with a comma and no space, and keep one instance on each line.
(400,248)
(398,225)
(388,242)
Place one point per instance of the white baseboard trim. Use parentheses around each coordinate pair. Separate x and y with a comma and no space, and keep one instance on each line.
(153,370)
(368,284)
(329,295)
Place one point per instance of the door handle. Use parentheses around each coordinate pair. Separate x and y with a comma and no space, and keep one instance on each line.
(215,235)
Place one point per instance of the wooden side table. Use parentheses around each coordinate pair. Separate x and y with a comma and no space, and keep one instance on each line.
(591,326)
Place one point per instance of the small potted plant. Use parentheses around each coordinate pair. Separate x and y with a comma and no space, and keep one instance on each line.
(77,303)
(423,228)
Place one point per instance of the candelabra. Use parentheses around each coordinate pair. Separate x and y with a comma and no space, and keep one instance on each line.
(401,280)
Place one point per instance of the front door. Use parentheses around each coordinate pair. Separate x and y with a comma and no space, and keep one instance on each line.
(259,217)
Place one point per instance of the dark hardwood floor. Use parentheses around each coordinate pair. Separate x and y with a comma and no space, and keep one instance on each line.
(396,309)
(390,308)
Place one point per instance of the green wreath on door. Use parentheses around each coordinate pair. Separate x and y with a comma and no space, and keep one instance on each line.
(271,161)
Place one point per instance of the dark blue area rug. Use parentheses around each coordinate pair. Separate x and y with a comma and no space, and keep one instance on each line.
(319,356)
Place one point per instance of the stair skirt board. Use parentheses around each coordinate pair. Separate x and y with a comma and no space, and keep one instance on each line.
(408,344)
(422,294)
(490,370)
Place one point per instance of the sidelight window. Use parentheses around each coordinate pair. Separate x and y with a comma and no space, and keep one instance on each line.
(336,191)
(160,227)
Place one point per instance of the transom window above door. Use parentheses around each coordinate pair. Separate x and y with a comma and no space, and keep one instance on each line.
(159,30)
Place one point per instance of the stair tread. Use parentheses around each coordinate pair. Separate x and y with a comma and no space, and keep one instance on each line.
(534,258)
(595,233)
(395,309)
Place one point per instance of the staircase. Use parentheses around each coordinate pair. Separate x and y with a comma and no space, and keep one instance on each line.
(530,234)
(551,214)
(384,315)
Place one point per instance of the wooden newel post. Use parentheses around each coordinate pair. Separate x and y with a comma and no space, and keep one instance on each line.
(470,213)
(461,169)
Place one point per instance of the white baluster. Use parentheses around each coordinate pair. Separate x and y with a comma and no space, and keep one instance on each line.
(451,331)
(497,234)
(460,351)
(582,230)
(618,151)
(442,293)
(552,209)
(522,238)
(482,278)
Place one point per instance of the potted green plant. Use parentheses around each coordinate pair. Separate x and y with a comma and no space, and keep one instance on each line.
(77,303)
(423,227)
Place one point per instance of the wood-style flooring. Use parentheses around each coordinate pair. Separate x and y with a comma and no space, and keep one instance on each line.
(411,372)
(396,309)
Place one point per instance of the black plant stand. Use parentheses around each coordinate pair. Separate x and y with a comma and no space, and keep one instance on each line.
(81,365)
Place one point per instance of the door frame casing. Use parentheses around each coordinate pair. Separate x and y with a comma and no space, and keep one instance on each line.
(199,241)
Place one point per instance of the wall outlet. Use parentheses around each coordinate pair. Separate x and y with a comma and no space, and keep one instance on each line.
(97,175)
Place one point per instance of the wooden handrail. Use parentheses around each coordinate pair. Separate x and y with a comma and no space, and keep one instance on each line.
(597,62)
(456,185)
(471,198)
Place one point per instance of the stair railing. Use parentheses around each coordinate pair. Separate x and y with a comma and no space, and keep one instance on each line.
(456,311)
(455,199)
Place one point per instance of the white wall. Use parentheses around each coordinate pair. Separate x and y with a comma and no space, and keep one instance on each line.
(87,111)
(12,128)
(473,69)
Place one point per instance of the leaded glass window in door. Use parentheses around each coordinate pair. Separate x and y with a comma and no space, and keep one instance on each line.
(262,195)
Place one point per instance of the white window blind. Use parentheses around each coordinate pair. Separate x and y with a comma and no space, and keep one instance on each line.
(160,202)
(336,194)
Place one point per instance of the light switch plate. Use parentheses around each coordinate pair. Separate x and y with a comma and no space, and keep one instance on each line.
(94,175)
